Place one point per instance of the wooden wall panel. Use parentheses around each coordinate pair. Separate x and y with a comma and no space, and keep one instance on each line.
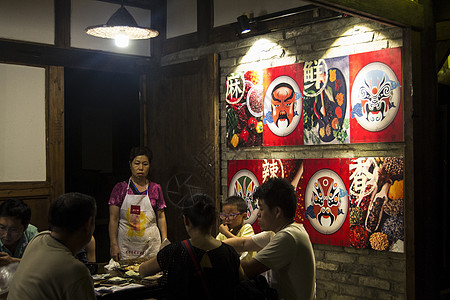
(183,134)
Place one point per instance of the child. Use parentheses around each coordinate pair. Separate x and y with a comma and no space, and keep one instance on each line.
(234,212)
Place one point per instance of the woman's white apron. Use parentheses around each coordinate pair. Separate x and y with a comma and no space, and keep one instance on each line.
(138,233)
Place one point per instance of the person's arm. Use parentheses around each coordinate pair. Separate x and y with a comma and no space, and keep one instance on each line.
(90,250)
(225,230)
(253,268)
(113,227)
(162,224)
(150,267)
(242,244)
(5,259)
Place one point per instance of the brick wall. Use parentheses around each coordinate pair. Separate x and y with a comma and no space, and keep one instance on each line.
(342,273)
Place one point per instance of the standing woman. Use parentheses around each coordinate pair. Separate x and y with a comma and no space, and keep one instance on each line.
(137,222)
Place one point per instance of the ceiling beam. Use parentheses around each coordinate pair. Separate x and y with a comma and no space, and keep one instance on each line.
(405,13)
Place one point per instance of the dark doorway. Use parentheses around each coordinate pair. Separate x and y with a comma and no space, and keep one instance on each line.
(101,125)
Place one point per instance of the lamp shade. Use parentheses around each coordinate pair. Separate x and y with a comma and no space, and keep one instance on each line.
(121,23)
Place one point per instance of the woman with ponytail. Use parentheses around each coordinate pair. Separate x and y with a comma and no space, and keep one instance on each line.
(200,267)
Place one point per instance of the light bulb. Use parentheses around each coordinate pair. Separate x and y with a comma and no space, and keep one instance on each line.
(122,40)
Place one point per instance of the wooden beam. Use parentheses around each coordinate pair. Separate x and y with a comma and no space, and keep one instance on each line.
(62,23)
(441,10)
(443,30)
(405,13)
(205,19)
(24,189)
(45,55)
(55,131)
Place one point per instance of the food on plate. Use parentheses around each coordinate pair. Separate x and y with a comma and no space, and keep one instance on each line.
(134,267)
(379,241)
(255,100)
(131,273)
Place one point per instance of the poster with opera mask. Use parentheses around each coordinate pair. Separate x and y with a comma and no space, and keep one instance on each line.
(244,107)
(326,201)
(244,176)
(283,105)
(350,202)
(376,105)
(325,105)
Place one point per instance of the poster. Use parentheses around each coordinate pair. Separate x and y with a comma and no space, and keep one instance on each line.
(376,97)
(244,176)
(349,99)
(244,98)
(325,106)
(325,182)
(283,97)
(377,203)
(350,202)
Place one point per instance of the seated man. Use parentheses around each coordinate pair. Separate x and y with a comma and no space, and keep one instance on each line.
(15,230)
(289,253)
(49,269)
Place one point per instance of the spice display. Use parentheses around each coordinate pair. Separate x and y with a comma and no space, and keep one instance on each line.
(357,216)
(376,195)
(374,214)
(379,241)
(392,169)
(396,190)
(394,207)
(393,228)
(359,237)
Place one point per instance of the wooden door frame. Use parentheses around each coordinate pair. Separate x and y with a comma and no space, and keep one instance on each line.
(44,192)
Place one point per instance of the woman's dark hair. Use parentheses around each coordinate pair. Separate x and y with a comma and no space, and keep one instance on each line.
(70,211)
(200,210)
(278,192)
(16,208)
(136,151)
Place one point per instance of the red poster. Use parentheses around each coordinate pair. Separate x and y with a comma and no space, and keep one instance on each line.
(244,176)
(283,117)
(376,96)
(325,197)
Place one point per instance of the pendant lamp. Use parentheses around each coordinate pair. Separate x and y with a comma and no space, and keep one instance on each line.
(121,27)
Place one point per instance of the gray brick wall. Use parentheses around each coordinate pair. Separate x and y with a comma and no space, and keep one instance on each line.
(342,273)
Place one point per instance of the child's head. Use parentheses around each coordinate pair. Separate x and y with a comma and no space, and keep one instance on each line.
(234,212)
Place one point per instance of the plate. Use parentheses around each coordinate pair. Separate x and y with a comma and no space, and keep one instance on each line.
(323,199)
(255,100)
(284,131)
(375,96)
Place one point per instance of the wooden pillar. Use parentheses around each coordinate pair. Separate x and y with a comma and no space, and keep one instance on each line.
(422,151)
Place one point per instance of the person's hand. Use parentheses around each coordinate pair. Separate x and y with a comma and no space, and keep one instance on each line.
(224,229)
(115,252)
(5,259)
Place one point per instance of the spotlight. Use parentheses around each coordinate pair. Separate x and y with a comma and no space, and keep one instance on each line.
(244,23)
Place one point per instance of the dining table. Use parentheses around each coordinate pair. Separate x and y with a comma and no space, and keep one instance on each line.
(124,282)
